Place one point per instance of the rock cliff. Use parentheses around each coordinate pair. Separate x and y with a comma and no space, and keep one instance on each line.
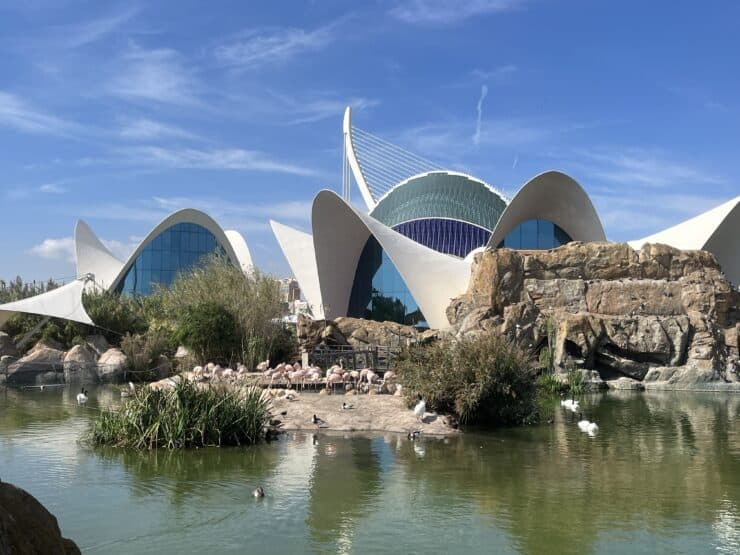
(607,307)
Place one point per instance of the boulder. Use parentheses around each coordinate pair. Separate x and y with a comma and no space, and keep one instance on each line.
(27,527)
(44,363)
(625,384)
(97,343)
(80,365)
(7,347)
(360,333)
(112,366)
(182,352)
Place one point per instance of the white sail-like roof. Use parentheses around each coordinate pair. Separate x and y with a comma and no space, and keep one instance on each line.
(553,196)
(340,232)
(63,302)
(716,231)
(298,248)
(94,258)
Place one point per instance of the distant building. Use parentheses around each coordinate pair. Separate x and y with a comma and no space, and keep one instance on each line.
(290,291)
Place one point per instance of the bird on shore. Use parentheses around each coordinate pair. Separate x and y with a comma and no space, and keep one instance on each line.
(416,434)
(347,406)
(259,492)
(82,397)
(318,421)
(420,409)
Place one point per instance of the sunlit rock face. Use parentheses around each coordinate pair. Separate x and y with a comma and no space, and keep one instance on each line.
(608,307)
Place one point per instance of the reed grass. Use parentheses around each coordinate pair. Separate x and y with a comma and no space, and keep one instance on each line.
(188,415)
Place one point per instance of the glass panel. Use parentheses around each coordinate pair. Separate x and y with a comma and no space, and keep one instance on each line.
(536,234)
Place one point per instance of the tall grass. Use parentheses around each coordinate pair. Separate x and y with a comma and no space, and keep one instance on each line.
(187,415)
(483,380)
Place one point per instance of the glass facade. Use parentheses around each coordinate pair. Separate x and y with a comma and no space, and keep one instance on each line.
(178,248)
(447,236)
(379,292)
(441,195)
(535,235)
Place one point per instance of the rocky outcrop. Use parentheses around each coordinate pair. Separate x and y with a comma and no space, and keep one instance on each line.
(27,528)
(112,366)
(97,343)
(80,365)
(607,307)
(43,364)
(7,347)
(357,333)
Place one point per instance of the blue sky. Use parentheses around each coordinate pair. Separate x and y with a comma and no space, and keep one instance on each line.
(119,113)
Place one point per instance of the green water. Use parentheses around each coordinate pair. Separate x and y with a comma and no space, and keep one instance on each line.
(661,476)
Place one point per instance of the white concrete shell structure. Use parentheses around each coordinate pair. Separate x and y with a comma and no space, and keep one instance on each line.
(299,250)
(340,232)
(190,216)
(63,302)
(553,196)
(95,263)
(716,231)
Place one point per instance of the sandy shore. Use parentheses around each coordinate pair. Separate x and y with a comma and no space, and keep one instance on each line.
(370,413)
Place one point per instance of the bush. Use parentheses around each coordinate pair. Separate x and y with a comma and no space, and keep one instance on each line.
(482,380)
(116,315)
(143,352)
(185,416)
(252,300)
(209,330)
(548,384)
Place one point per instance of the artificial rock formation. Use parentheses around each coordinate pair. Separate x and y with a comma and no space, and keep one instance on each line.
(44,363)
(80,365)
(607,307)
(27,528)
(112,365)
(357,333)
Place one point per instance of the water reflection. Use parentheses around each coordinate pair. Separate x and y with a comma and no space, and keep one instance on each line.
(662,474)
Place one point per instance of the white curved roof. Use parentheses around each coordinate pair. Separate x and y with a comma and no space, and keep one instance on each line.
(553,196)
(716,231)
(340,232)
(63,302)
(298,249)
(241,250)
(186,215)
(93,258)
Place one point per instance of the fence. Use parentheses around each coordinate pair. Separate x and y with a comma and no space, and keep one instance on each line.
(378,358)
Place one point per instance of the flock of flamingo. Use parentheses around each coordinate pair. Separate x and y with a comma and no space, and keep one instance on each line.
(296,376)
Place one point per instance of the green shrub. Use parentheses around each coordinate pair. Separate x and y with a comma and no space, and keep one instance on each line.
(483,380)
(252,300)
(548,384)
(116,315)
(143,352)
(187,415)
(576,381)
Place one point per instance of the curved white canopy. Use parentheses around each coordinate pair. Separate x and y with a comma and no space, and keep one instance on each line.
(63,302)
(553,196)
(340,232)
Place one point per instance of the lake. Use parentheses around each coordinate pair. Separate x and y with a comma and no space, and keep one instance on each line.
(662,475)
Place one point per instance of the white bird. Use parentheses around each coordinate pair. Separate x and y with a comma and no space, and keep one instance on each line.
(82,397)
(347,406)
(570,404)
(588,427)
(420,409)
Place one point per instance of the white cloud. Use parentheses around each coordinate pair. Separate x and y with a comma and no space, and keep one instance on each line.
(18,114)
(213,159)
(255,48)
(442,12)
(479,110)
(55,249)
(645,168)
(145,129)
(55,188)
(87,32)
(317,109)
(120,249)
(154,75)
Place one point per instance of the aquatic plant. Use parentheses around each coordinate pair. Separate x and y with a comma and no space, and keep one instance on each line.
(482,380)
(548,384)
(576,381)
(187,415)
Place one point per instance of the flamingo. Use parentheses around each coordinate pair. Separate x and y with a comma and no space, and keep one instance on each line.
(264,365)
(82,397)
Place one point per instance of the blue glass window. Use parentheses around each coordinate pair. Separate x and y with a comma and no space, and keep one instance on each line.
(535,235)
(447,236)
(379,292)
(177,248)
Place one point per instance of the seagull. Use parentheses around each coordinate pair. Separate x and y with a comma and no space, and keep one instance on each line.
(259,492)
(347,406)
(82,397)
(420,409)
